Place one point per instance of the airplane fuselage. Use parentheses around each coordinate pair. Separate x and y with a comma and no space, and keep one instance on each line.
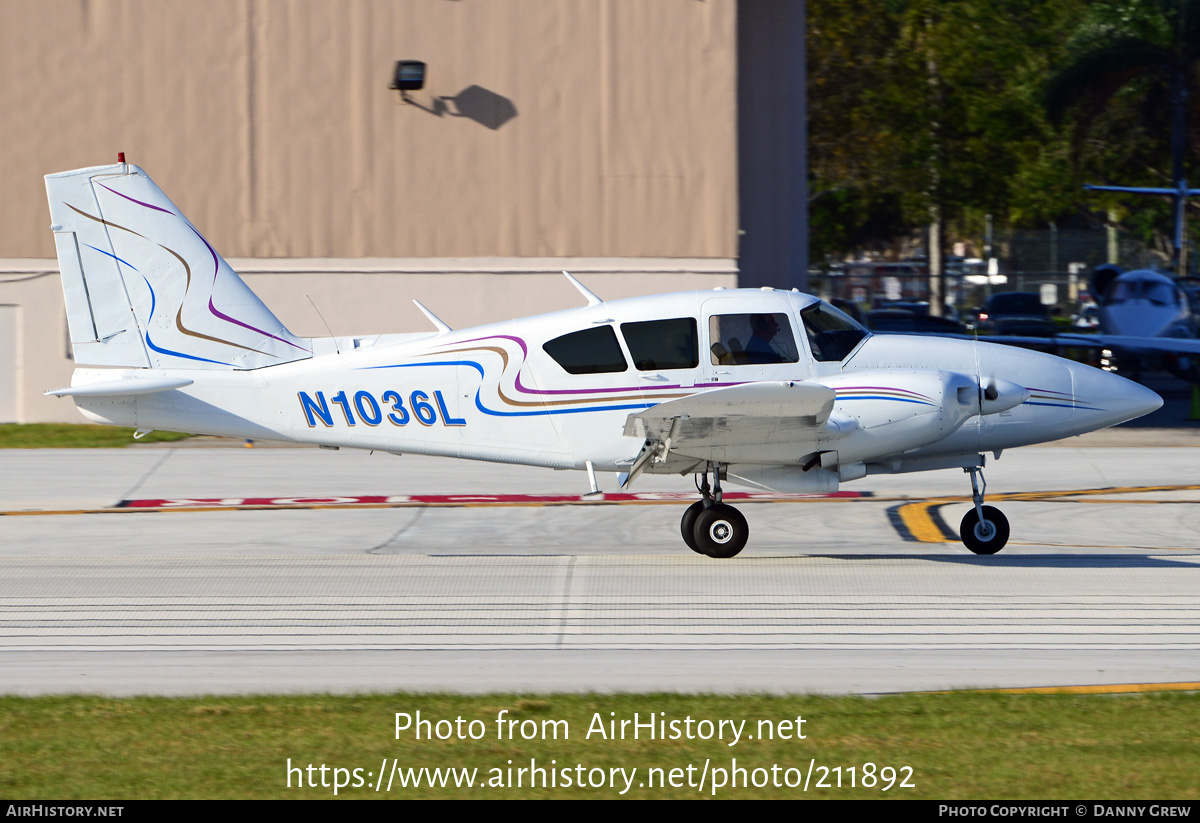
(495,393)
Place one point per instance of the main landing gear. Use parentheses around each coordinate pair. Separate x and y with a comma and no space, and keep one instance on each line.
(711,527)
(984,529)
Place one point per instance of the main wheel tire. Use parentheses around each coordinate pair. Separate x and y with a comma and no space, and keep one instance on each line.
(687,526)
(986,536)
(720,531)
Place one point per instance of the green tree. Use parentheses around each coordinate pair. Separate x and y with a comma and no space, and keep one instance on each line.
(853,204)
(1133,66)
(923,108)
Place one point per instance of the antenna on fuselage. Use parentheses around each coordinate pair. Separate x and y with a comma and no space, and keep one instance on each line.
(592,299)
(336,348)
(433,318)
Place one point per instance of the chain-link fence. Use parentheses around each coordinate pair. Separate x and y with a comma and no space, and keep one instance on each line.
(1055,263)
(1021,252)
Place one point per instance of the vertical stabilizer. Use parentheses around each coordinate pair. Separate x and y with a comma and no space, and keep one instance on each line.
(144,289)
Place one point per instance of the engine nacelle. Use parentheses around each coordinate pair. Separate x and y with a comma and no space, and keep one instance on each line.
(896,410)
(792,479)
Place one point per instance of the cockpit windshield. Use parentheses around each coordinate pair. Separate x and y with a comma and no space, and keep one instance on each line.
(1156,292)
(1160,294)
(832,334)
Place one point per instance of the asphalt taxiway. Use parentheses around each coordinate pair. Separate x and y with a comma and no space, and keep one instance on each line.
(189,570)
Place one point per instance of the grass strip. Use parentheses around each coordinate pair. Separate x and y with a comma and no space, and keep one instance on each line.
(958,745)
(75,436)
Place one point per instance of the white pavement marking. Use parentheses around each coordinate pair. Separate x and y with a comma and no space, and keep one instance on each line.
(825,598)
(604,602)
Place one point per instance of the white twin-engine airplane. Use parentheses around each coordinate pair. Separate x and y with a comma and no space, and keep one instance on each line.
(769,389)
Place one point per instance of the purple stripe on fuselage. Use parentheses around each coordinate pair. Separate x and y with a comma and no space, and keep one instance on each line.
(881,388)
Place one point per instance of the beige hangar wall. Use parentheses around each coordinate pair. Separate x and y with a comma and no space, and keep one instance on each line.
(594,135)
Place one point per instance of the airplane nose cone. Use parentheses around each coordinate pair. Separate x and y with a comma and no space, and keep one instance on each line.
(1107,399)
(1140,318)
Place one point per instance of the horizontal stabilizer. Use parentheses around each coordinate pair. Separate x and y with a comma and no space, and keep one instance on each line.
(116,388)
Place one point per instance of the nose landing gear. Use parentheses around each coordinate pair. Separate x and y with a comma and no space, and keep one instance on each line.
(984,529)
(711,527)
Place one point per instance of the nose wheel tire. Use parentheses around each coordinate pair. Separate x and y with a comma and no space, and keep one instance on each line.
(687,526)
(986,536)
(720,531)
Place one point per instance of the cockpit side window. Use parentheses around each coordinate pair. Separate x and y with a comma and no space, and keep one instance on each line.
(744,339)
(590,351)
(662,344)
(832,334)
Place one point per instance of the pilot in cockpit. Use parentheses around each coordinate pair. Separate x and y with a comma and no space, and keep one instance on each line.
(759,348)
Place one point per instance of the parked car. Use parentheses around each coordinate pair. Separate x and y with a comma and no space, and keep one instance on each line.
(902,321)
(1017,313)
(1088,317)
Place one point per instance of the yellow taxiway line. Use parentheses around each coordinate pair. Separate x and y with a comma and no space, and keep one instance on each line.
(1116,688)
(919,521)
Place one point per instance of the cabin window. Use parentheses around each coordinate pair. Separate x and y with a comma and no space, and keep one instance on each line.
(663,344)
(590,351)
(832,334)
(744,339)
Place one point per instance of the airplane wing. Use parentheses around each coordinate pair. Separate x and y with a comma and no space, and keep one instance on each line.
(716,424)
(1143,345)
(1174,345)
(1007,339)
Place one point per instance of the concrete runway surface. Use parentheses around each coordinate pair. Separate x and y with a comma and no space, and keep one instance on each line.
(315,589)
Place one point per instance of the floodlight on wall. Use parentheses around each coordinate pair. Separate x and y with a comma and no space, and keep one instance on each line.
(409,75)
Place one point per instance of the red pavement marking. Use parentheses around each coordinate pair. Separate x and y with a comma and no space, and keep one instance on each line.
(464,499)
